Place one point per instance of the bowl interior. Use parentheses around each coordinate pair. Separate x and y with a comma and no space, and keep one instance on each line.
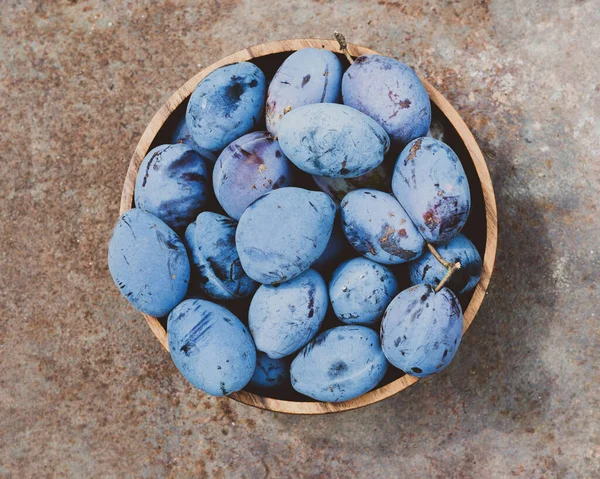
(480,225)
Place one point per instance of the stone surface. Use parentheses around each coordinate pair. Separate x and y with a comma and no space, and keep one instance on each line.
(79,81)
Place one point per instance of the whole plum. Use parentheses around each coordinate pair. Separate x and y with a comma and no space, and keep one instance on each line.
(427,269)
(389,92)
(148,263)
(430,183)
(305,77)
(328,139)
(172,184)
(211,347)
(283,318)
(270,373)
(247,169)
(283,232)
(217,269)
(227,104)
(377,226)
(360,290)
(421,330)
(340,364)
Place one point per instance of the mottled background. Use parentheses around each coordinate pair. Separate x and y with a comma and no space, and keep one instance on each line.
(85,389)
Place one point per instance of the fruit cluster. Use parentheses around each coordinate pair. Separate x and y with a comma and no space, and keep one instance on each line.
(245,239)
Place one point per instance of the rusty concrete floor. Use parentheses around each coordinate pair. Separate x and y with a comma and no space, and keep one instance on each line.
(85,389)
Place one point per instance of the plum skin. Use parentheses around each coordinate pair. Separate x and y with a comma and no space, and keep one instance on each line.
(389,92)
(421,330)
(173,184)
(328,139)
(270,373)
(248,168)
(283,318)
(282,233)
(360,291)
(430,183)
(148,263)
(340,364)
(307,76)
(217,270)
(225,105)
(211,347)
(379,228)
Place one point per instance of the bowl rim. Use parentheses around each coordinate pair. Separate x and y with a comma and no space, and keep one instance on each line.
(283,46)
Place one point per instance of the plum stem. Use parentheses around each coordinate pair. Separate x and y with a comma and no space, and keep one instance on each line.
(454,267)
(437,256)
(343,45)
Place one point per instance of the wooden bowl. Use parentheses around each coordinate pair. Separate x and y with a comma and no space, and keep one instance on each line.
(481,227)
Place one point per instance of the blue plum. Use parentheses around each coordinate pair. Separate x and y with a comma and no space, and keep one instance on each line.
(283,232)
(227,104)
(340,364)
(377,226)
(217,269)
(211,347)
(305,77)
(173,184)
(360,290)
(421,330)
(182,134)
(247,169)
(379,178)
(430,183)
(389,92)
(148,263)
(427,269)
(283,318)
(328,139)
(270,373)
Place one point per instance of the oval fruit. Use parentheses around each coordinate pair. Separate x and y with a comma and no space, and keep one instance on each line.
(389,92)
(421,330)
(430,183)
(217,269)
(283,318)
(148,263)
(282,233)
(377,227)
(172,184)
(270,373)
(427,269)
(247,169)
(360,290)
(305,77)
(339,364)
(332,140)
(225,105)
(210,347)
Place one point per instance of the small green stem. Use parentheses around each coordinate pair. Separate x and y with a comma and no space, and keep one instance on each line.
(343,45)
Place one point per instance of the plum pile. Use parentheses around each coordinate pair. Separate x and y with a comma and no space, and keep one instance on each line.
(272,254)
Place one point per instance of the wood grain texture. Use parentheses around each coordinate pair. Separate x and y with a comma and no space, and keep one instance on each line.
(476,157)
